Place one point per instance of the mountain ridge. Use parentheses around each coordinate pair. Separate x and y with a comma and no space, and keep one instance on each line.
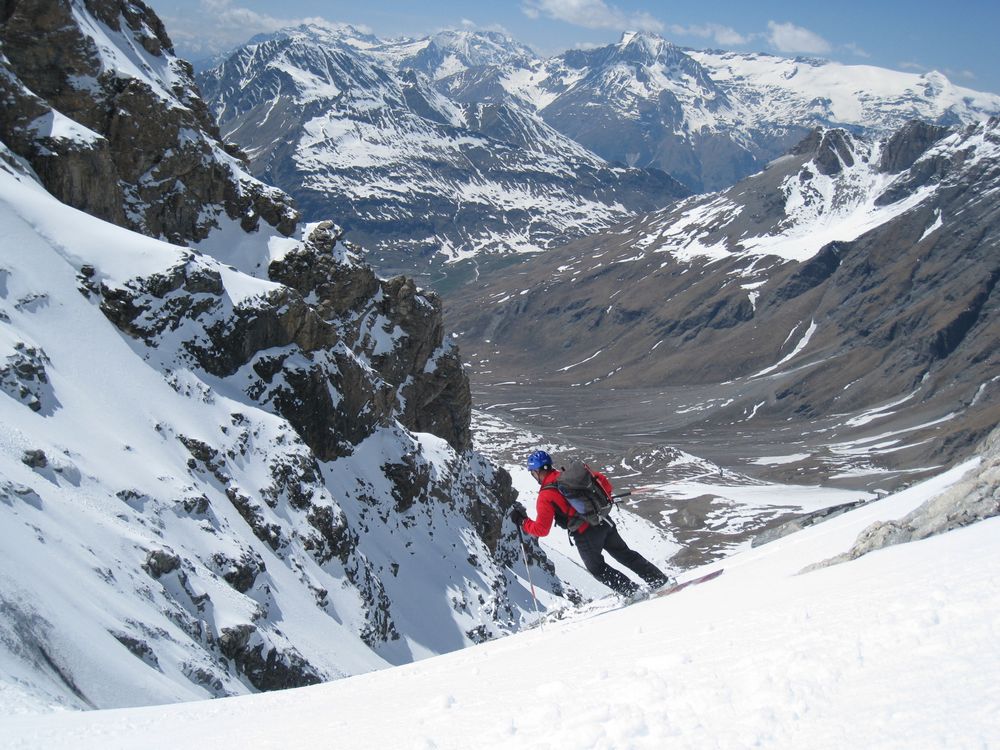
(419,178)
(711,118)
(496,153)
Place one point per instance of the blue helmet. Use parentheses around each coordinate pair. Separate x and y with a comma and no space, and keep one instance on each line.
(539,460)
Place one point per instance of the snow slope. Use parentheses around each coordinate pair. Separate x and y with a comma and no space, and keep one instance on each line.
(896,649)
(153,516)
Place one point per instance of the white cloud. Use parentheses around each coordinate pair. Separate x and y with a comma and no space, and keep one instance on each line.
(233,17)
(724,36)
(854,49)
(220,25)
(787,37)
(468,25)
(591,14)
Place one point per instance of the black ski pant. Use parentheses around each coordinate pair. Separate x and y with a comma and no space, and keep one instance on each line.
(604,537)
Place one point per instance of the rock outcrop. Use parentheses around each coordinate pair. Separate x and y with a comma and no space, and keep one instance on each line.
(975,498)
(401,333)
(112,122)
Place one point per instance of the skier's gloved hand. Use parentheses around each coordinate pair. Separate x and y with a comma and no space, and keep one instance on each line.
(517,515)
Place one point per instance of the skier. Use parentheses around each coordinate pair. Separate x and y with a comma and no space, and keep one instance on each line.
(591,540)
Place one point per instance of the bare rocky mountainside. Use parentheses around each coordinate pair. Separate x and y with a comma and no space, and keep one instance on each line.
(848,291)
(238,462)
(112,123)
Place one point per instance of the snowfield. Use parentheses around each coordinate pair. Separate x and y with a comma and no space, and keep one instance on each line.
(898,649)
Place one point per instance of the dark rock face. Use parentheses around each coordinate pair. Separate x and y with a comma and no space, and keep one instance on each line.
(835,153)
(426,373)
(265,668)
(23,378)
(141,152)
(809,275)
(139,648)
(908,144)
(314,355)
(159,562)
(240,573)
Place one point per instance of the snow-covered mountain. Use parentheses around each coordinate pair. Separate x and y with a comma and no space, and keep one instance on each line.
(234,459)
(710,118)
(853,280)
(452,51)
(228,465)
(439,149)
(359,130)
(897,648)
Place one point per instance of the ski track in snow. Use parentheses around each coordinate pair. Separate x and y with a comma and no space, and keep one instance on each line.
(897,649)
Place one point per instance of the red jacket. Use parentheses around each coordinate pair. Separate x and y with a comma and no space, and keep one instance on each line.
(550,501)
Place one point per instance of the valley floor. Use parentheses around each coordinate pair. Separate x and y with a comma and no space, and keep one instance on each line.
(898,649)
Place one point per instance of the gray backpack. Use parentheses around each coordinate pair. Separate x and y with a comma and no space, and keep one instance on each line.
(583,492)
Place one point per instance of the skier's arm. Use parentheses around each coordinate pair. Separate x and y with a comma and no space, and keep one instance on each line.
(544,515)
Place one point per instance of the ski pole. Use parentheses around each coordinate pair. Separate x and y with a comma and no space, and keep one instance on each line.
(639,490)
(524,556)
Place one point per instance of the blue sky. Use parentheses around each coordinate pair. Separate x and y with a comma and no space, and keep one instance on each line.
(958,38)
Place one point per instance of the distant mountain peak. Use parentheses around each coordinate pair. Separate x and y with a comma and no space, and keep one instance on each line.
(483,47)
(650,41)
(322,29)
(419,170)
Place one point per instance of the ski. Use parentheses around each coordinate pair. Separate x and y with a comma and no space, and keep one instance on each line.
(613,603)
(674,588)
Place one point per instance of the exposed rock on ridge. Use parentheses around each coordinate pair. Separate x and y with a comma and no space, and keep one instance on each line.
(976,498)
